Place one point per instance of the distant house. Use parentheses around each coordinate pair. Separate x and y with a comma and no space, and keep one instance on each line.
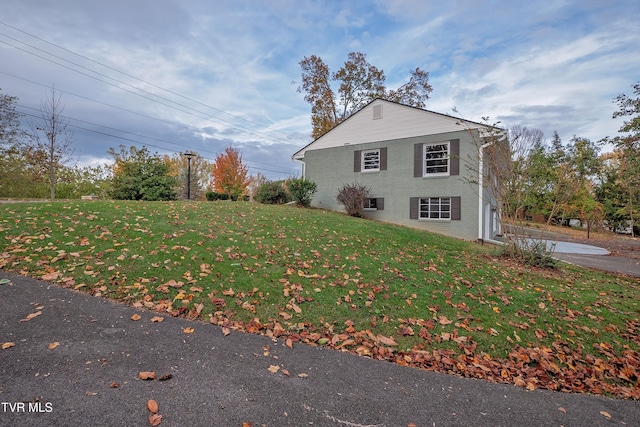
(423,169)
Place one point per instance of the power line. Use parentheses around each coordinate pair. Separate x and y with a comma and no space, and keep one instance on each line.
(142,80)
(140,95)
(216,120)
(139,142)
(128,111)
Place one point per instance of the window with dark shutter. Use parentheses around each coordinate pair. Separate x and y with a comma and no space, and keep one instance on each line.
(435,208)
(357,156)
(383,159)
(456,210)
(413,207)
(454,157)
(436,159)
(417,160)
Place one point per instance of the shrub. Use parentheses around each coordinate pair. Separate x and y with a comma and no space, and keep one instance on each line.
(301,190)
(212,196)
(352,197)
(272,193)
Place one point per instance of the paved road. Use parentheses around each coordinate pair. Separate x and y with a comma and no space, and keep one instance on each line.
(222,380)
(609,263)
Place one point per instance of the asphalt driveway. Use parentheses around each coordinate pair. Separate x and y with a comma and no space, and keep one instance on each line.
(91,376)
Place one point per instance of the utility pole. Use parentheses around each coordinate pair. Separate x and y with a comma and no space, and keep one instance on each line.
(189,155)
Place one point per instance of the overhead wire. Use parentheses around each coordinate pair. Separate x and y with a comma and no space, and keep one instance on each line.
(136,141)
(232,125)
(142,80)
(161,100)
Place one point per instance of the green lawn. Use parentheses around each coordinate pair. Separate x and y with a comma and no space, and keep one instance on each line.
(323,278)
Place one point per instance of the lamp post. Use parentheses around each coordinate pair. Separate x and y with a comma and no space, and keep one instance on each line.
(189,155)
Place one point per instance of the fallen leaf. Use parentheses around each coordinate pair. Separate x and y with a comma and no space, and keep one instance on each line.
(561,409)
(4,281)
(145,375)
(605,414)
(31,316)
(188,330)
(387,341)
(303,375)
(226,331)
(443,320)
(157,319)
(274,368)
(155,420)
(53,345)
(246,424)
(285,372)
(136,317)
(114,385)
(50,276)
(289,343)
(165,377)
(8,345)
(152,406)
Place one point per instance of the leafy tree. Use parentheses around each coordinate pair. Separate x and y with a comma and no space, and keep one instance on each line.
(272,192)
(301,190)
(628,146)
(200,174)
(137,175)
(230,174)
(11,132)
(254,186)
(358,83)
(76,182)
(17,172)
(55,150)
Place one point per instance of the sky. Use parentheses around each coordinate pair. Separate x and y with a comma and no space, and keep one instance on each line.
(203,75)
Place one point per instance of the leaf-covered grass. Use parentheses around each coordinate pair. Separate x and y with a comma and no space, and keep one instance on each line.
(323,278)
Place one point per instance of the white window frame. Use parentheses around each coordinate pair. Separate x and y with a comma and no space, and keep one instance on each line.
(434,208)
(366,163)
(431,163)
(367,204)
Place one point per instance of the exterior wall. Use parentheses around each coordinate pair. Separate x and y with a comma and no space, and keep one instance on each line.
(330,168)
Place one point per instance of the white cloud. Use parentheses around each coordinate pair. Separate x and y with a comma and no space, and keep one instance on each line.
(551,65)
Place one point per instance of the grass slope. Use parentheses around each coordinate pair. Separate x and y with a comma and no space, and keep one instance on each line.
(374,289)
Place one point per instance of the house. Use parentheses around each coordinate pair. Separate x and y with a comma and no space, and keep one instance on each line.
(424,169)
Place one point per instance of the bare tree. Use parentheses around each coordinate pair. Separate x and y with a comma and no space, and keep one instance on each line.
(54,150)
(509,177)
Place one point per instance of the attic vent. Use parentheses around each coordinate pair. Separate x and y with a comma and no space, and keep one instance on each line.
(377,111)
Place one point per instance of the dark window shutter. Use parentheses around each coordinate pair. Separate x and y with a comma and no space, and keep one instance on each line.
(383,159)
(413,207)
(357,159)
(456,213)
(418,161)
(380,203)
(454,157)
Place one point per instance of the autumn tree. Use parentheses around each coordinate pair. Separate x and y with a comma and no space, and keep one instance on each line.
(139,175)
(628,147)
(54,150)
(230,174)
(200,174)
(359,83)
